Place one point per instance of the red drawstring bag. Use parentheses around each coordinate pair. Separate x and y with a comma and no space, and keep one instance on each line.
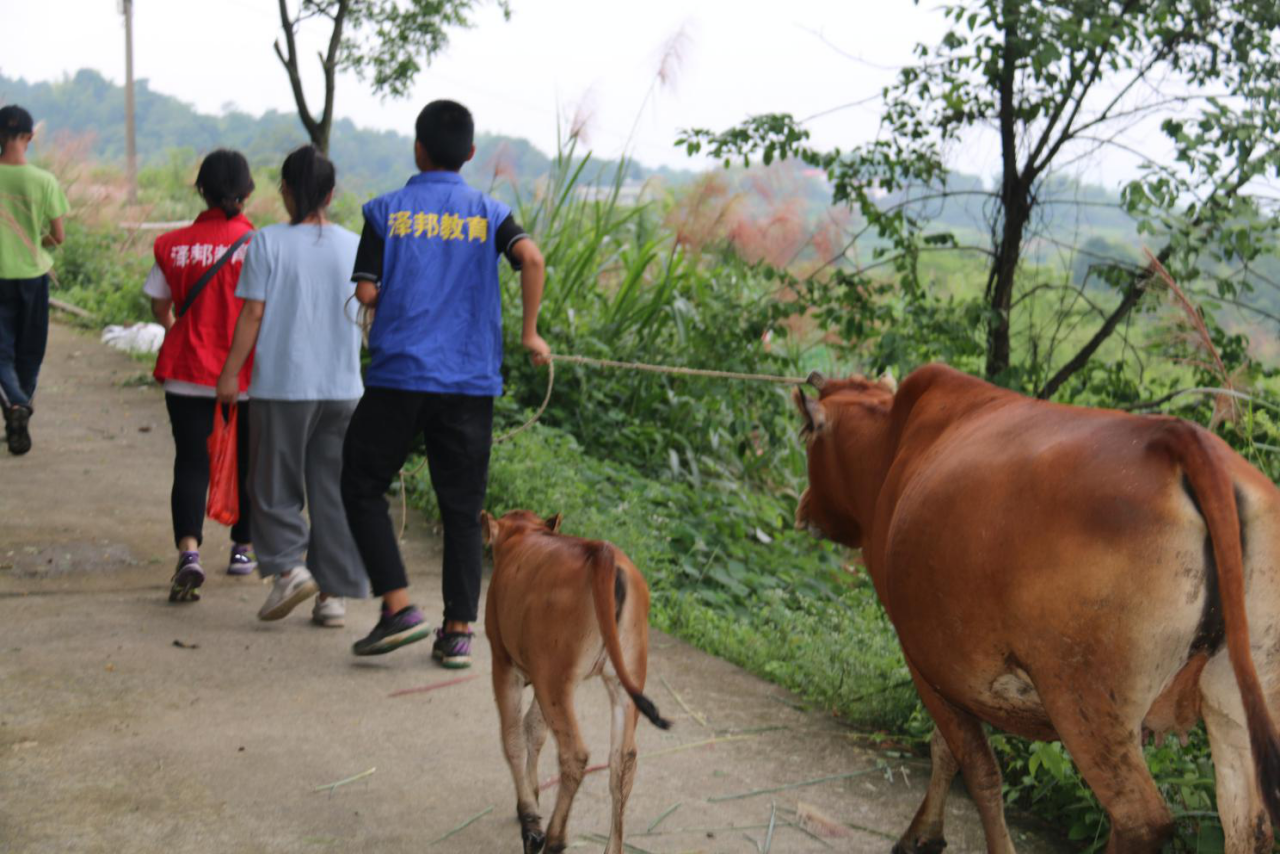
(224,491)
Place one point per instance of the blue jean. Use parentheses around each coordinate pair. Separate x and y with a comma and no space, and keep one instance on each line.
(24,332)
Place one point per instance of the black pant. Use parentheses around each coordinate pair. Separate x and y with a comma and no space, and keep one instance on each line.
(24,332)
(458,432)
(192,422)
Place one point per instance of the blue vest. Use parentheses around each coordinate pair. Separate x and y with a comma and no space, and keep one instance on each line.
(438,325)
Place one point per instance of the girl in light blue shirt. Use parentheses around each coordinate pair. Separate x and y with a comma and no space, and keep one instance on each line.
(296,282)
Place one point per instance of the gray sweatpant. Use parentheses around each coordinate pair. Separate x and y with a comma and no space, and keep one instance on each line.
(295,461)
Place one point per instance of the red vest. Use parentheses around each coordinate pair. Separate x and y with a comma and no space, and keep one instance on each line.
(199,341)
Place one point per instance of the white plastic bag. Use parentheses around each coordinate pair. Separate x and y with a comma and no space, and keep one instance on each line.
(138,338)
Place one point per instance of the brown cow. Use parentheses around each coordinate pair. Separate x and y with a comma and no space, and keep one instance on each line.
(1061,573)
(560,610)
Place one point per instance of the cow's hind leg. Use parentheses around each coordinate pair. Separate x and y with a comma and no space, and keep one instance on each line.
(924,836)
(508,688)
(557,710)
(967,746)
(1244,818)
(1107,749)
(622,758)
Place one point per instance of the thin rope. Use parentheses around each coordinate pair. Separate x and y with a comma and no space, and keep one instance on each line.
(688,372)
(598,363)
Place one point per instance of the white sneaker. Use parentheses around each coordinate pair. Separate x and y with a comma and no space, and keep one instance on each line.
(288,591)
(330,612)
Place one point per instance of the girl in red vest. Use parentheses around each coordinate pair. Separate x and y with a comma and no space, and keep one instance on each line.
(198,327)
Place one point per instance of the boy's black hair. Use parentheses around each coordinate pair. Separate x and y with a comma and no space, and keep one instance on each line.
(310,177)
(447,132)
(224,180)
(14,122)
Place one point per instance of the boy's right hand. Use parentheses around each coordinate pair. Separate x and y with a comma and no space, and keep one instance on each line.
(539,350)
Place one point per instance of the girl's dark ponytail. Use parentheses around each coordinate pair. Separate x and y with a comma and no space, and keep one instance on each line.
(225,181)
(310,177)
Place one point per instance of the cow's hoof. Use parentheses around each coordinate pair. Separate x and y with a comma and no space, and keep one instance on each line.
(920,846)
(534,840)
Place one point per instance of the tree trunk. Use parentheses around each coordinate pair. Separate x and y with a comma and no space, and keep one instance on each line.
(1004,275)
(317,129)
(1014,202)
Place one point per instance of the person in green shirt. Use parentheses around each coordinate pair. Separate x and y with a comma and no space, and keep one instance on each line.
(32,206)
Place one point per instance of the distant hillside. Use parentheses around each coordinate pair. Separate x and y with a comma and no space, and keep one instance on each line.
(369,161)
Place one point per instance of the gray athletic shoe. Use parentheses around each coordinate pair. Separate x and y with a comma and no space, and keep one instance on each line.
(288,591)
(330,612)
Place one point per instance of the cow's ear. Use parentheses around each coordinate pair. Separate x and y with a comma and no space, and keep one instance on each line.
(815,417)
(488,528)
(553,523)
(887,380)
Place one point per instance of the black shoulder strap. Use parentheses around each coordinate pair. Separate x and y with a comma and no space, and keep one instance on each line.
(209,274)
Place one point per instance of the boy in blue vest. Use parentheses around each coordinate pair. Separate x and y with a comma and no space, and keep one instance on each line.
(428,261)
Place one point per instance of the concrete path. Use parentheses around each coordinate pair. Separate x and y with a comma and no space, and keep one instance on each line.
(131,725)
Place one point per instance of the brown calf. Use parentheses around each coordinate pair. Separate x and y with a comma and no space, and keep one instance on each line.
(560,610)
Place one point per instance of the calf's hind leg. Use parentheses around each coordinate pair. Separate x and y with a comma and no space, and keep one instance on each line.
(535,735)
(622,758)
(508,688)
(557,710)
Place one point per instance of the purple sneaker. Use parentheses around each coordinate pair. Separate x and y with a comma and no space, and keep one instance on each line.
(393,631)
(452,649)
(243,561)
(187,578)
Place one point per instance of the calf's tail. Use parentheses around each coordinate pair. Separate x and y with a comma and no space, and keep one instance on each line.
(1213,487)
(604,571)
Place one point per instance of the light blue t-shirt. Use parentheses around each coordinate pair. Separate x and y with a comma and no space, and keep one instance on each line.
(309,344)
(438,327)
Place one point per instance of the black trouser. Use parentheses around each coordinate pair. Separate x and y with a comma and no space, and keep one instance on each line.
(24,332)
(192,422)
(458,432)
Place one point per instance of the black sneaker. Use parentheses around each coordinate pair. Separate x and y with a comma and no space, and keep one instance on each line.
(393,631)
(16,432)
(452,649)
(187,578)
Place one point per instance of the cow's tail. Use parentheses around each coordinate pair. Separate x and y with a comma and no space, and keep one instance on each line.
(1216,494)
(604,572)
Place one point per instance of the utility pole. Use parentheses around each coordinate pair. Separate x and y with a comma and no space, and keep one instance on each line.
(130,143)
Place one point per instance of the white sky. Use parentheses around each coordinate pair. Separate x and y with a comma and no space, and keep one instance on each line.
(740,57)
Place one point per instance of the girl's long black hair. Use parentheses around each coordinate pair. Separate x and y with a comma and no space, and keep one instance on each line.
(225,181)
(310,177)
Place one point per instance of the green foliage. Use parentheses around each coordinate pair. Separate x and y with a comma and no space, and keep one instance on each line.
(96,272)
(1059,80)
(387,42)
(620,287)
